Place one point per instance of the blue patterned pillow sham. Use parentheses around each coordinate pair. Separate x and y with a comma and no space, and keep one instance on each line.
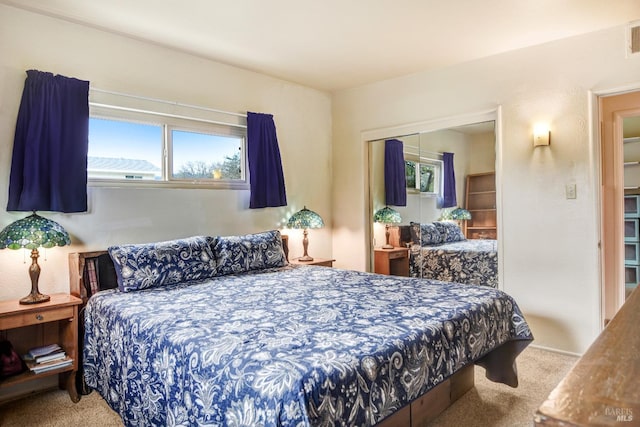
(154,265)
(425,234)
(237,254)
(450,231)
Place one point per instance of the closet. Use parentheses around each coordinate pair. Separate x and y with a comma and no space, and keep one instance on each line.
(631,213)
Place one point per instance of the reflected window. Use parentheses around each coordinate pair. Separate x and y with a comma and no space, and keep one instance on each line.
(424,176)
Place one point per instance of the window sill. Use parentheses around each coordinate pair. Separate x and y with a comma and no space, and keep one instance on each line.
(141,184)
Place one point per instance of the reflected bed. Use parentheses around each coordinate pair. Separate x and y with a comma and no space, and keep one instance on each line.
(449,259)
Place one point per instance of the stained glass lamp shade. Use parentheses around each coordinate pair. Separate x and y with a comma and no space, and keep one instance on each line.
(460,214)
(304,219)
(33,232)
(387,216)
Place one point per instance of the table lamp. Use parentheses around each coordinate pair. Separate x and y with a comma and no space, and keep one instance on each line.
(32,233)
(458,215)
(387,216)
(304,219)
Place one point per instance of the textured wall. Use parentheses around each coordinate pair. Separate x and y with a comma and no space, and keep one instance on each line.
(549,244)
(117,215)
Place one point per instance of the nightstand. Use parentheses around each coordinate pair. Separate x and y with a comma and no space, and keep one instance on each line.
(316,261)
(34,325)
(392,261)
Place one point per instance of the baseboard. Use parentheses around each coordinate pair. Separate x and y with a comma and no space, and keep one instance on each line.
(555,350)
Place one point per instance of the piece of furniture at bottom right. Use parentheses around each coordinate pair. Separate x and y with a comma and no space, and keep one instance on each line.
(603,387)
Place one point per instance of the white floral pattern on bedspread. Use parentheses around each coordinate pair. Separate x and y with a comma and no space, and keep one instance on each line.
(293,346)
(473,261)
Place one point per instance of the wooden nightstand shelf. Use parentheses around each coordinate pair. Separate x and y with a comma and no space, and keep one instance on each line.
(392,261)
(52,322)
(316,261)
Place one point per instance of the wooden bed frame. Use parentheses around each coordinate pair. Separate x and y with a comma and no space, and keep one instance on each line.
(417,413)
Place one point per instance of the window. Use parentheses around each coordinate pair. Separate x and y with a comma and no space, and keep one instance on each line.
(153,147)
(424,176)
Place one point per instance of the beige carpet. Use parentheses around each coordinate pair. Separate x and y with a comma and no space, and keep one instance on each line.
(488,404)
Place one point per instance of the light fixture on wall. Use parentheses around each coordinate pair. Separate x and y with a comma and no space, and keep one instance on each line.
(34,232)
(387,216)
(304,219)
(541,135)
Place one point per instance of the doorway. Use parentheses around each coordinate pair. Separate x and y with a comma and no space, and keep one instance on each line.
(613,111)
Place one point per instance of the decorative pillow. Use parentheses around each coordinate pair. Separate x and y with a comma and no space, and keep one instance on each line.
(425,234)
(161,264)
(450,231)
(237,254)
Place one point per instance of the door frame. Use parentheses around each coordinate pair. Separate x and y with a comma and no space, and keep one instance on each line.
(611,107)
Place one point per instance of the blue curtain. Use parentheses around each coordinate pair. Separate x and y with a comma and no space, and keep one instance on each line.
(449,197)
(395,180)
(49,163)
(266,179)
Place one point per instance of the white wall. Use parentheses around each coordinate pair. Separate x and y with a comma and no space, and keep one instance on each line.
(110,62)
(550,244)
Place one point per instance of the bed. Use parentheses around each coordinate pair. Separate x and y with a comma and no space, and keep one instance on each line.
(439,251)
(263,342)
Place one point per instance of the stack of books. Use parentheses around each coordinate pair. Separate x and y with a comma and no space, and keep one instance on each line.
(47,358)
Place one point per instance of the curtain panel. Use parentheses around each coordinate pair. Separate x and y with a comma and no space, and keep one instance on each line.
(266,179)
(395,180)
(49,163)
(449,199)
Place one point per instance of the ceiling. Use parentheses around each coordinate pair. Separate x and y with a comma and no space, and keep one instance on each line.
(337,44)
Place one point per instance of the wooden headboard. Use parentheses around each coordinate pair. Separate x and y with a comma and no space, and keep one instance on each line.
(104,271)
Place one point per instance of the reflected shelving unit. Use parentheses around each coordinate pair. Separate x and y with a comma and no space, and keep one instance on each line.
(481,203)
(631,214)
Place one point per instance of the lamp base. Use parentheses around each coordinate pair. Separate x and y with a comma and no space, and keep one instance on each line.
(35,298)
(305,258)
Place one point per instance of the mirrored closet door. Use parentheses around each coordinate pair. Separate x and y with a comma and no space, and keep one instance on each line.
(474,155)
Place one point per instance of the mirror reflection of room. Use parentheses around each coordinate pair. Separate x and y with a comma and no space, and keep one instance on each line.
(445,228)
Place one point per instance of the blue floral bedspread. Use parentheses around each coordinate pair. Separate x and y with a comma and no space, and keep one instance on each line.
(294,346)
(473,261)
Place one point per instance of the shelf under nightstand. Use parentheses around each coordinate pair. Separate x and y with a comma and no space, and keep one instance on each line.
(34,325)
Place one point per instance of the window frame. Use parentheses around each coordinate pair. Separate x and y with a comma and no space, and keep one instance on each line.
(188,119)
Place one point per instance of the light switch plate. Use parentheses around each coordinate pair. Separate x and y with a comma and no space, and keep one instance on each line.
(570,189)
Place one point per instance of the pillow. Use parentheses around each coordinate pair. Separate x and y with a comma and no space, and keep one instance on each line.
(237,254)
(154,265)
(450,231)
(425,234)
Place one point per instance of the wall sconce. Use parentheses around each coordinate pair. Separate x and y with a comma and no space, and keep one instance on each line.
(541,135)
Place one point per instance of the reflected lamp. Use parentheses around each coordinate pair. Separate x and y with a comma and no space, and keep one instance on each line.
(387,216)
(305,219)
(34,232)
(459,214)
